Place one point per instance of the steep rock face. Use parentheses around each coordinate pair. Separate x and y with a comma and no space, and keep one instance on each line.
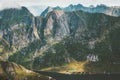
(12,71)
(85,34)
(17,26)
(56,25)
(21,32)
(4,49)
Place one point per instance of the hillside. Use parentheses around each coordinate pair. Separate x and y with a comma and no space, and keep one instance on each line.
(12,71)
(60,39)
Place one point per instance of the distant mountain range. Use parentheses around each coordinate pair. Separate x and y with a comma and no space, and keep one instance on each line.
(113,11)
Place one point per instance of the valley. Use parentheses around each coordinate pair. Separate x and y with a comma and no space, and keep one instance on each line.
(69,43)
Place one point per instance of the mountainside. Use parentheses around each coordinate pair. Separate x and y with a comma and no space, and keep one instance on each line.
(83,36)
(60,40)
(12,71)
(19,27)
(112,11)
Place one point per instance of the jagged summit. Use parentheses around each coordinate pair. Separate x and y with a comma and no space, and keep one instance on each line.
(113,11)
(47,10)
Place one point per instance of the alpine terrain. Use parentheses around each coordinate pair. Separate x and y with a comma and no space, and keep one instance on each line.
(66,40)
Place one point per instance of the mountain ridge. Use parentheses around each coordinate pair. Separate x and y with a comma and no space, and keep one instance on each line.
(113,11)
(62,37)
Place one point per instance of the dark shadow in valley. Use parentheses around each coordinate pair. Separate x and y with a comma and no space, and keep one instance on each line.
(82,76)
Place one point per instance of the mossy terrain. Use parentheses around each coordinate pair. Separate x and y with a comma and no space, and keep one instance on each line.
(25,56)
(108,61)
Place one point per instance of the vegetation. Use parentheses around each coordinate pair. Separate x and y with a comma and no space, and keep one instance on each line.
(12,71)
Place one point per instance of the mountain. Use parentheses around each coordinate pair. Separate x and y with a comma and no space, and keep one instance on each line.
(61,40)
(49,9)
(20,30)
(113,11)
(18,27)
(83,36)
(12,71)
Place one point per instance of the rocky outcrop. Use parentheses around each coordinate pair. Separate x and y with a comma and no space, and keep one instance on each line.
(18,27)
(12,71)
(57,25)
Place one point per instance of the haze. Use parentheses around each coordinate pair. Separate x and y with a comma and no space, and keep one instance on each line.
(62,2)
